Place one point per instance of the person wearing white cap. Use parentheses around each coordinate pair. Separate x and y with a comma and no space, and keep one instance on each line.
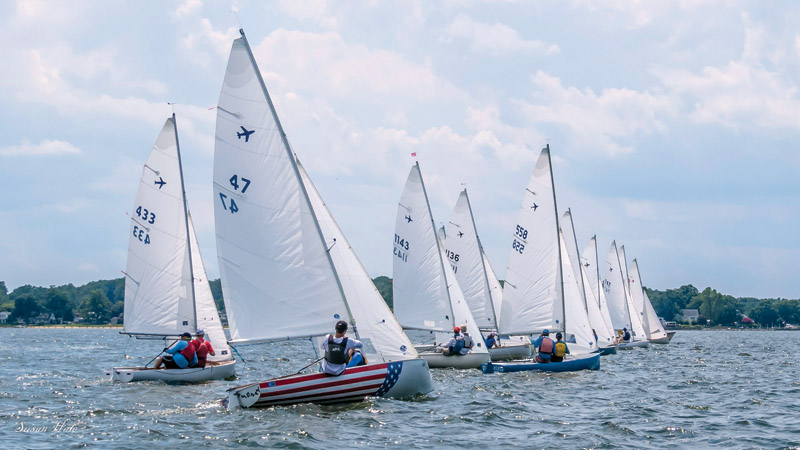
(468,342)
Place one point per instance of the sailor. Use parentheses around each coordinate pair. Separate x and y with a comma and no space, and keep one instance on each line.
(561,349)
(595,336)
(179,356)
(626,335)
(491,340)
(468,342)
(338,350)
(545,347)
(455,347)
(203,348)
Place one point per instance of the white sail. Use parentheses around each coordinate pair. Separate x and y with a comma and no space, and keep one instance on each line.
(603,328)
(207,314)
(615,291)
(650,320)
(571,242)
(656,331)
(533,293)
(158,282)
(464,253)
(637,295)
(277,277)
(634,310)
(495,289)
(421,299)
(575,317)
(381,334)
(462,315)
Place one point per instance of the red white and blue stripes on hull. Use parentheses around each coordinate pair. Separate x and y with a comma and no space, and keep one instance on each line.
(394,379)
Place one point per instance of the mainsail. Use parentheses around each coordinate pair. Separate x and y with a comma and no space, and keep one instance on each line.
(651,322)
(466,256)
(577,321)
(533,291)
(614,289)
(277,276)
(159,297)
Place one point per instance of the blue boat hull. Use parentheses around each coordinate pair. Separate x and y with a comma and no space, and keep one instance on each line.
(588,362)
(608,351)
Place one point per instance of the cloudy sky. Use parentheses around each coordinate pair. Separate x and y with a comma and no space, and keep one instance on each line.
(674,125)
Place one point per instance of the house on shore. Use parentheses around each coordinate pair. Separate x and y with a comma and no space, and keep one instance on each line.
(690,315)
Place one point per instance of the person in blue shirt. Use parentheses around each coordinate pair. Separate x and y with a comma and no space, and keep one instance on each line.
(544,346)
(491,340)
(179,356)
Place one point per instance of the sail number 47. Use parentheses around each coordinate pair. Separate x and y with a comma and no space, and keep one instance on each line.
(231,205)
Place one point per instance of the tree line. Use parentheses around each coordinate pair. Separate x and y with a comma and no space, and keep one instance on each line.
(98,302)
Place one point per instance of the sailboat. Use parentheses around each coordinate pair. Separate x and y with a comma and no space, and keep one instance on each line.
(533,294)
(622,311)
(652,326)
(477,280)
(596,299)
(427,296)
(166,288)
(579,318)
(287,271)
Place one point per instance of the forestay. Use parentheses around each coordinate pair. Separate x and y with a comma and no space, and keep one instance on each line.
(158,282)
(421,298)
(207,315)
(464,252)
(532,294)
(277,278)
(381,334)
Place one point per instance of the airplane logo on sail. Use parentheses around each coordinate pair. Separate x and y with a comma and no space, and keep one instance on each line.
(160,182)
(534,206)
(245,134)
(460,233)
(409,219)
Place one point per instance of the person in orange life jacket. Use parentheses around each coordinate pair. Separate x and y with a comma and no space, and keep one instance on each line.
(560,350)
(626,335)
(203,348)
(491,340)
(179,356)
(545,347)
(468,342)
(456,346)
(338,350)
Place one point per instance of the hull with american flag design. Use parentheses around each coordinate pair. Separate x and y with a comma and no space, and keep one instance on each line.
(396,379)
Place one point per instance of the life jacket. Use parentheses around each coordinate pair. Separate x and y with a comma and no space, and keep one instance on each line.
(561,349)
(626,336)
(188,352)
(202,351)
(468,341)
(546,346)
(458,346)
(336,353)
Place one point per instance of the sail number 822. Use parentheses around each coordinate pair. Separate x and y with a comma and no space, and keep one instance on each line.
(518,246)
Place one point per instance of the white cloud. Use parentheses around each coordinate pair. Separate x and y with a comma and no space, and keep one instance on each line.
(207,43)
(47,147)
(188,7)
(604,121)
(495,37)
(316,10)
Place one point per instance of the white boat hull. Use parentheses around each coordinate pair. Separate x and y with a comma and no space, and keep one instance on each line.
(632,345)
(671,334)
(216,371)
(398,379)
(664,340)
(510,352)
(437,360)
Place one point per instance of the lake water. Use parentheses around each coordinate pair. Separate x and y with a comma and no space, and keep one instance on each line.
(706,389)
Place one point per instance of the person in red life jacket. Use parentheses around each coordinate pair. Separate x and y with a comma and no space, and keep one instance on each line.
(203,348)
(179,356)
(545,347)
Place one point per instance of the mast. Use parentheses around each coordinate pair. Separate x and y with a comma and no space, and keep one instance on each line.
(299,178)
(483,264)
(438,245)
(186,221)
(580,266)
(645,320)
(558,233)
